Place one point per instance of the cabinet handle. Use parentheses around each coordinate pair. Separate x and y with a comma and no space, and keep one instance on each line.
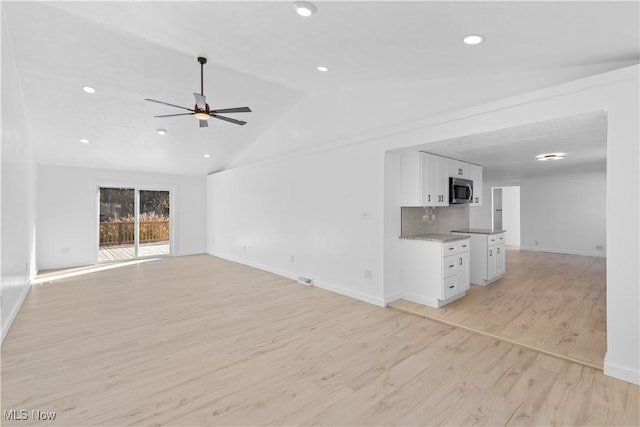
(429,197)
(452,286)
(460,171)
(451,249)
(452,265)
(498,250)
(490,252)
(464,246)
(460,261)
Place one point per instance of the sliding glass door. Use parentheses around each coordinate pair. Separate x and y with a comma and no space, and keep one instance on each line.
(133,223)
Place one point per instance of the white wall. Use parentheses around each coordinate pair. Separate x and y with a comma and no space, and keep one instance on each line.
(263,215)
(18,194)
(565,216)
(68,212)
(311,205)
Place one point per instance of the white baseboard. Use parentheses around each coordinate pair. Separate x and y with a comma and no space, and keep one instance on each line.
(562,251)
(621,372)
(14,312)
(392,297)
(189,253)
(317,283)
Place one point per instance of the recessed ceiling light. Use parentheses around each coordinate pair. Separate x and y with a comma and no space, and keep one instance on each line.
(88,89)
(304,8)
(473,39)
(207,155)
(162,131)
(84,141)
(322,68)
(550,156)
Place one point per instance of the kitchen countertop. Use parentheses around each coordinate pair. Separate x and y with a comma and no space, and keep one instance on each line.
(478,231)
(435,237)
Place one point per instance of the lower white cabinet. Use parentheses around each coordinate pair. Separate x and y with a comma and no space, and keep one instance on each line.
(488,262)
(435,273)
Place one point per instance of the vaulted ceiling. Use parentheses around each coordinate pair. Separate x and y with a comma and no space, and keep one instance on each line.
(263,55)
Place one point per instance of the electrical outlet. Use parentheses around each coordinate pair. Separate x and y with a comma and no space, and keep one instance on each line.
(535,243)
(599,247)
(65,250)
(368,274)
(244,248)
(367,215)
(292,258)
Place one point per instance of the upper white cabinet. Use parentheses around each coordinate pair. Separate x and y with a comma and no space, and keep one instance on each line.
(475,175)
(458,169)
(435,180)
(424,179)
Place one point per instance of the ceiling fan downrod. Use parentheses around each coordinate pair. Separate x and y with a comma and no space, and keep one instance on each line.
(202,60)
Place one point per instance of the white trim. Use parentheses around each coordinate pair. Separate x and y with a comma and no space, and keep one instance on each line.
(317,283)
(620,372)
(189,253)
(562,251)
(6,326)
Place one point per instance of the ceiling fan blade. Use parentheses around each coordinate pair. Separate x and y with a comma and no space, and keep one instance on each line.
(203,123)
(174,115)
(166,103)
(233,110)
(228,119)
(201,101)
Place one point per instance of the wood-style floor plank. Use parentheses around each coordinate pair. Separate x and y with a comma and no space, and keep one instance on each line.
(203,341)
(552,302)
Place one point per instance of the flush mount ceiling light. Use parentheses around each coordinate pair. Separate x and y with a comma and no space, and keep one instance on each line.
(84,141)
(322,68)
(162,131)
(304,8)
(88,89)
(207,155)
(550,156)
(473,39)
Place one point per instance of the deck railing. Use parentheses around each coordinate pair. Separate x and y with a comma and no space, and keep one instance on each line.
(121,233)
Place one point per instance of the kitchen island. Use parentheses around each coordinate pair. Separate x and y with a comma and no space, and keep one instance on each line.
(488,261)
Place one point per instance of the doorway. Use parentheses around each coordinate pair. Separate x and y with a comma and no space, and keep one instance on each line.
(133,223)
(505,212)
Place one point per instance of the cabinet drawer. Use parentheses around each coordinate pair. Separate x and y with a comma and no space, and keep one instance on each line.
(453,248)
(450,265)
(451,286)
(495,239)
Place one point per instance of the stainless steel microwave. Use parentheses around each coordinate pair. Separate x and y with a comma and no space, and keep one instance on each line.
(460,191)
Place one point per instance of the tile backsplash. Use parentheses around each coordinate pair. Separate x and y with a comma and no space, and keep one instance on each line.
(434,220)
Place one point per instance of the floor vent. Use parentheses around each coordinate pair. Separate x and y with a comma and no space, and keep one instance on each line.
(305,281)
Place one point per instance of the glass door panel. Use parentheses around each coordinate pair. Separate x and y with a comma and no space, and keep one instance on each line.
(117,224)
(154,225)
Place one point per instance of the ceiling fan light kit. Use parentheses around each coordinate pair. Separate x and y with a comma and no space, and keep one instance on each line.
(201,109)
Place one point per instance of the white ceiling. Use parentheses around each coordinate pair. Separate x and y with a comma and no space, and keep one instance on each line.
(263,55)
(508,155)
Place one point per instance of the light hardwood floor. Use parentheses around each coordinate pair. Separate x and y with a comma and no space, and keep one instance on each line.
(552,302)
(203,341)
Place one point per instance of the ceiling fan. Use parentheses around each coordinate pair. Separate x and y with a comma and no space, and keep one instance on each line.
(201,110)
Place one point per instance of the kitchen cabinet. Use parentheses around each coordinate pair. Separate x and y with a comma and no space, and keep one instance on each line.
(458,168)
(424,179)
(488,260)
(475,175)
(435,180)
(435,273)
